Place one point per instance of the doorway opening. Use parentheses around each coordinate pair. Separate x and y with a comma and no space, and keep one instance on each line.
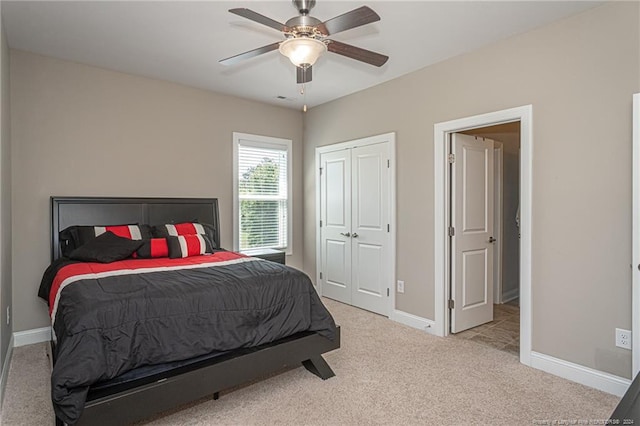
(499,325)
(442,132)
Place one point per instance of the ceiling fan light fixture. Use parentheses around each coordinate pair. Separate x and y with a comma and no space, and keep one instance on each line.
(302,51)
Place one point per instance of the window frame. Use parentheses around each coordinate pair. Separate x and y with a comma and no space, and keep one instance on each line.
(266,142)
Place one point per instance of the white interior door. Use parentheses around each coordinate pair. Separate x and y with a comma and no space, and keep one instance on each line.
(472,186)
(335,216)
(369,227)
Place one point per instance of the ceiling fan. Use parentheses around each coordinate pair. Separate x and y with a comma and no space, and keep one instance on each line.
(306,38)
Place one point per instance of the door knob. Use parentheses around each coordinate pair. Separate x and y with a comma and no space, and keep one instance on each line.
(348,234)
(492,240)
(355,235)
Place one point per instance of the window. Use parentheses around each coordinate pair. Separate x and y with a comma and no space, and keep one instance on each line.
(262,188)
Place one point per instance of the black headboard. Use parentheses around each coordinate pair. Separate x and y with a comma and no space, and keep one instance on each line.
(68,211)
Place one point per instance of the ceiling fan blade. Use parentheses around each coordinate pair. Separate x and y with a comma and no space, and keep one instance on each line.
(303,75)
(356,18)
(260,19)
(250,54)
(357,53)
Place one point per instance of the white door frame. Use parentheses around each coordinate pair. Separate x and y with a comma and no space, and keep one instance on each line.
(386,137)
(498,167)
(635,239)
(524,114)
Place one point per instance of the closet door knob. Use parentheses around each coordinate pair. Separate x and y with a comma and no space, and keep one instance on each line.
(492,240)
(346,235)
(355,235)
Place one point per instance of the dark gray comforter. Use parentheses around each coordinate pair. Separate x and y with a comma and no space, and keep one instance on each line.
(108,325)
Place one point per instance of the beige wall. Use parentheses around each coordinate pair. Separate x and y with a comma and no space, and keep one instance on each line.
(79,130)
(5,198)
(579,74)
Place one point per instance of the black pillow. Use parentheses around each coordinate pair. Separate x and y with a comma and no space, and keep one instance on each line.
(106,248)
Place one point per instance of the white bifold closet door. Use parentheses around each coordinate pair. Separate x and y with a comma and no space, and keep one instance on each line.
(355,211)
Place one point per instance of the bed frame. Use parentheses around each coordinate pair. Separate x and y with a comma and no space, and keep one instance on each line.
(153,394)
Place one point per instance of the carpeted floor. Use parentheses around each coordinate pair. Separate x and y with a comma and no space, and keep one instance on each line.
(386,373)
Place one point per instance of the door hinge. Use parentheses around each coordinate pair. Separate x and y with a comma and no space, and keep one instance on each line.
(388,228)
(320,275)
(320,224)
(452,231)
(320,170)
(452,158)
(388,164)
(451,304)
(387,292)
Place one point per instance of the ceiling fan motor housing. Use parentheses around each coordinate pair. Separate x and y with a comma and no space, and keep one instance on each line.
(304,25)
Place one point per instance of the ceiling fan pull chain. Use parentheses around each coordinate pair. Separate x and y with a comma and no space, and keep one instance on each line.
(304,98)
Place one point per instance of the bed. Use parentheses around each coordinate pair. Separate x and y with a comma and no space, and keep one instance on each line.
(146,379)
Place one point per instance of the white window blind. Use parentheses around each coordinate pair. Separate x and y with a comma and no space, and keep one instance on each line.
(262,194)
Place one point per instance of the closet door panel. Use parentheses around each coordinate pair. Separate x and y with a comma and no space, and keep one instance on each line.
(370,218)
(335,198)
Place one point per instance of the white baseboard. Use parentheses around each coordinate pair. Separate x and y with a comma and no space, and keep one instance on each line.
(578,373)
(414,321)
(29,337)
(510,295)
(4,375)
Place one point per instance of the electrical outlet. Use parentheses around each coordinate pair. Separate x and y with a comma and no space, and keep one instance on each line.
(623,338)
(400,286)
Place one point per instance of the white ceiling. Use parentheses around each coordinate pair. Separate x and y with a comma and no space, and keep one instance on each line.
(182,41)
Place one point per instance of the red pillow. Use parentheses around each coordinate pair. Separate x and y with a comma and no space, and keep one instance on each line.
(189,245)
(131,232)
(155,247)
(185,228)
